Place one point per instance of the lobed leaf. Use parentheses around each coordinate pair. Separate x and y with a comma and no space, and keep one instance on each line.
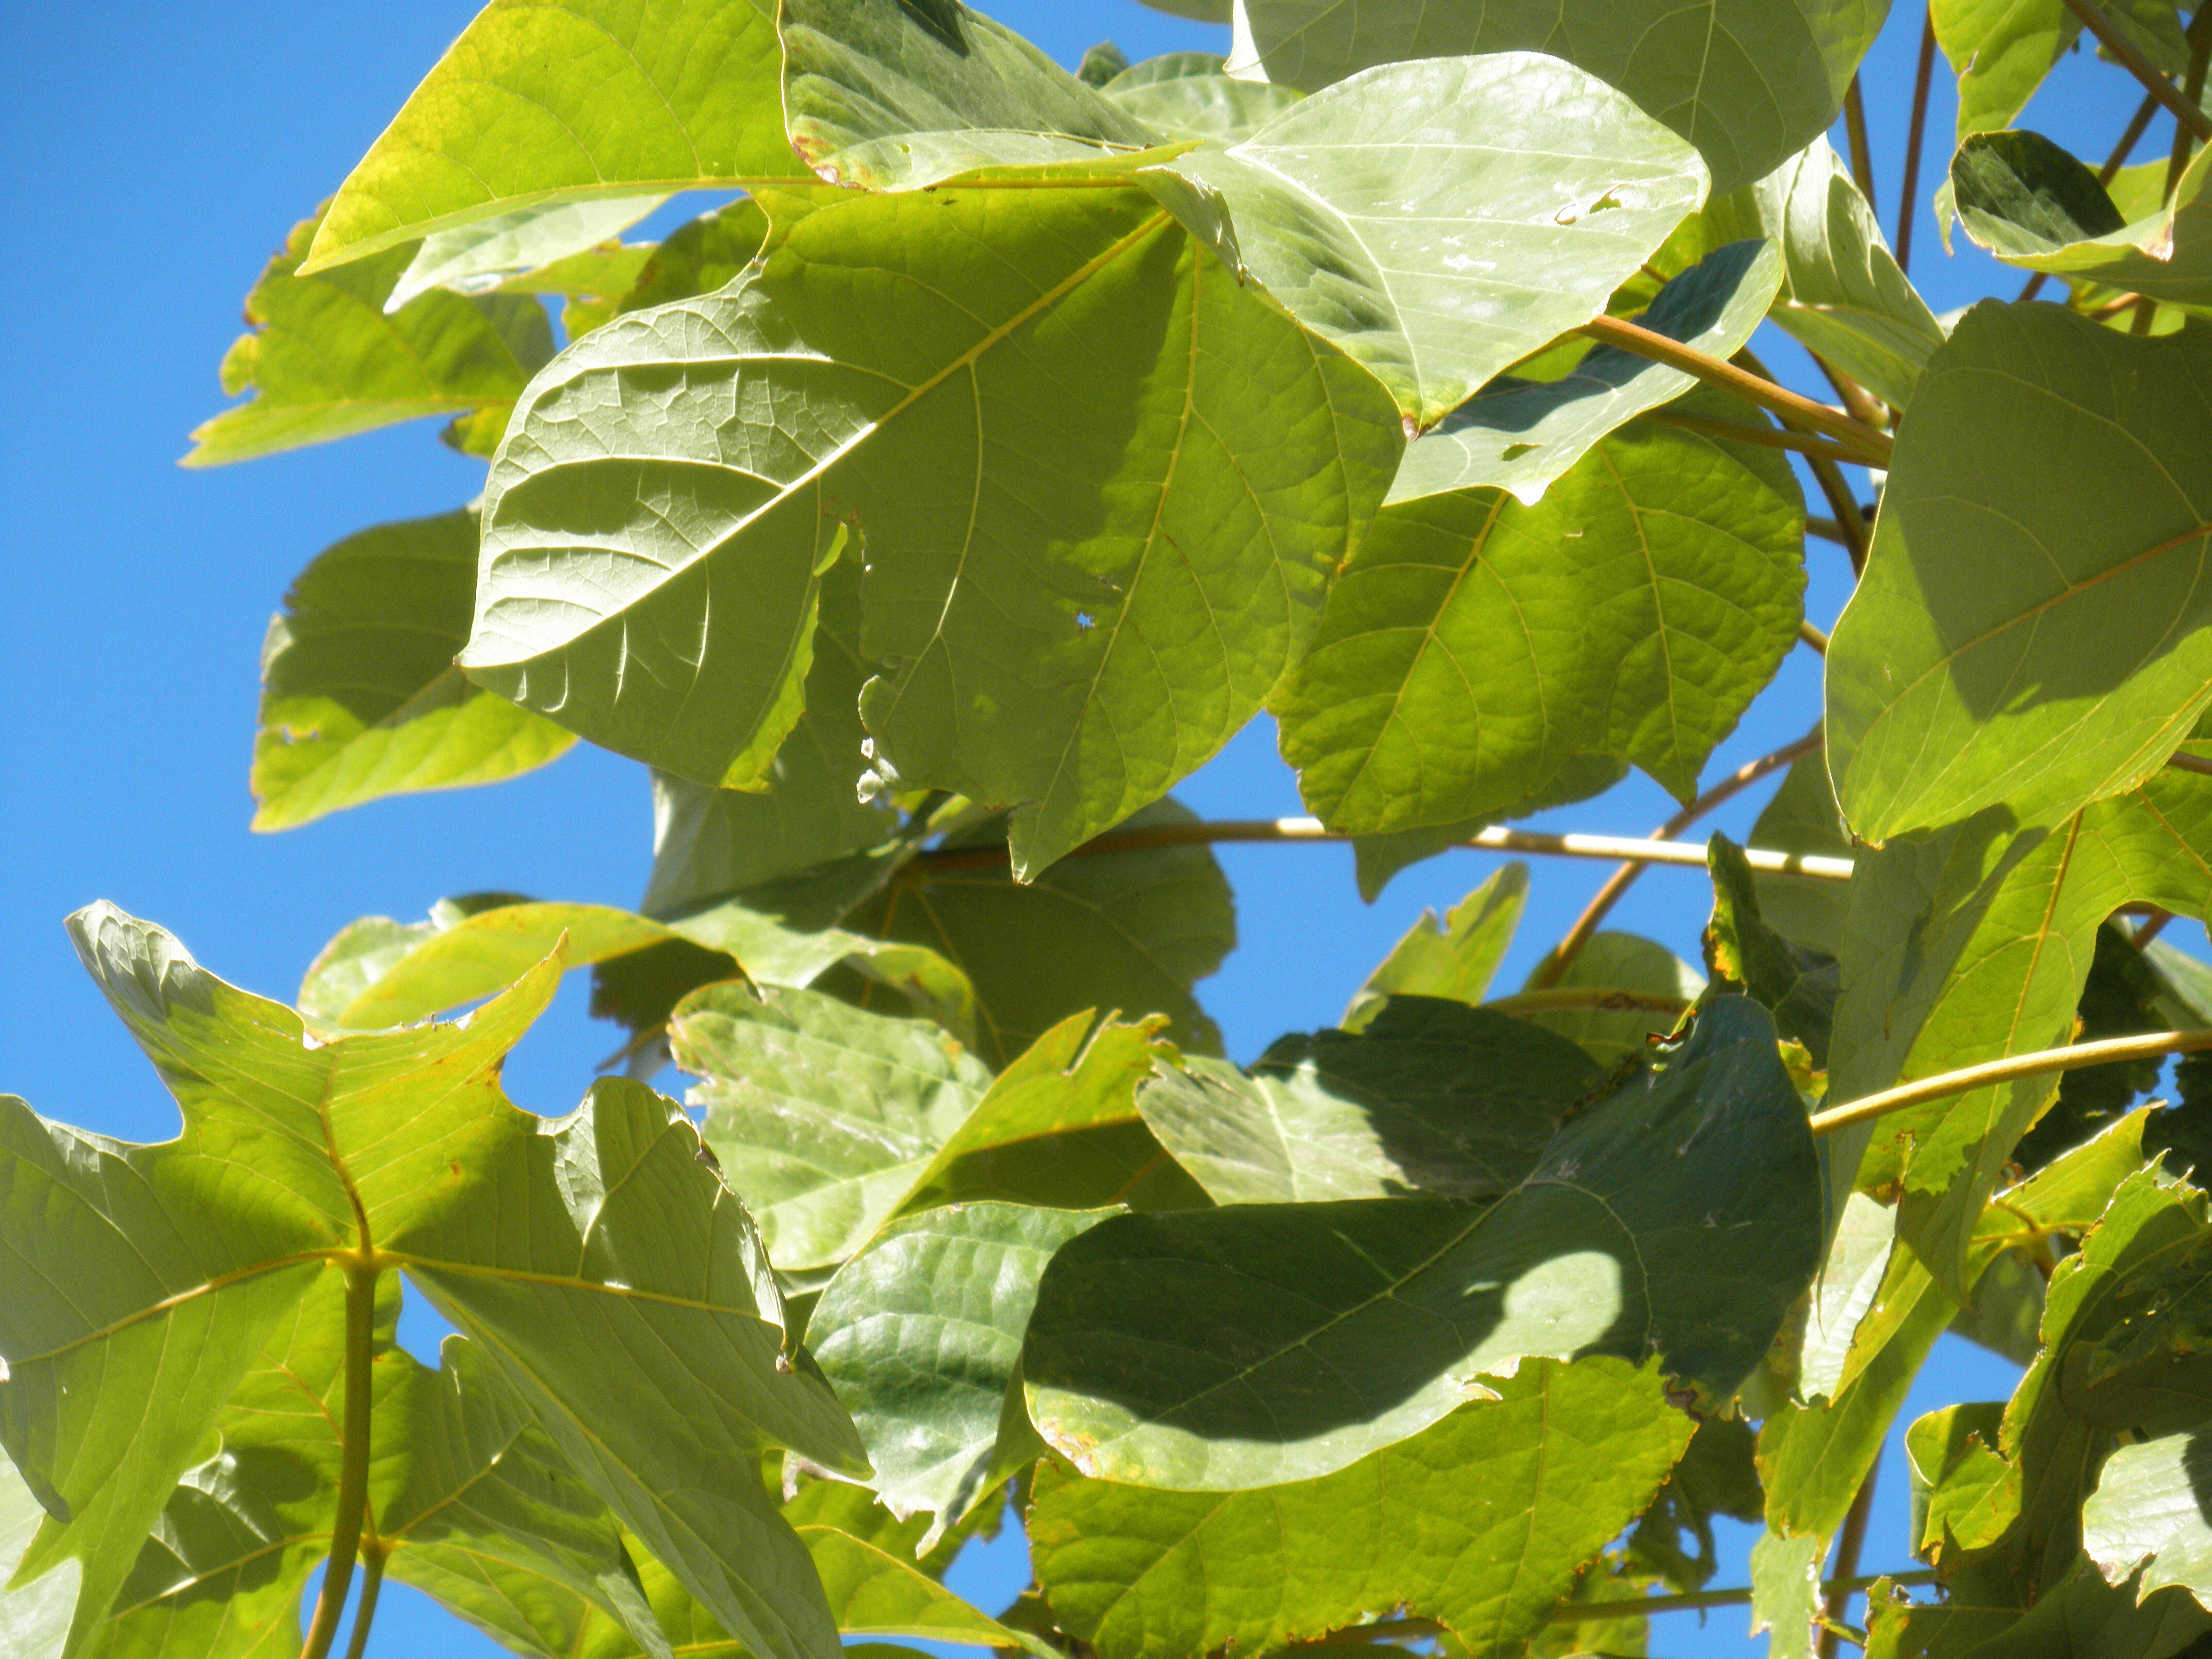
(325,361)
(1677,1216)
(1082,686)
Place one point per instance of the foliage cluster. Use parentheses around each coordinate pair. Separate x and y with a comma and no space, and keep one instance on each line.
(1007,442)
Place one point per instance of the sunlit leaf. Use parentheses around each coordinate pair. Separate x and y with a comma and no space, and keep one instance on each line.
(584,99)
(358,695)
(1748,82)
(1622,962)
(1475,644)
(1184,94)
(1454,957)
(475,258)
(1083,686)
(324,360)
(822,1113)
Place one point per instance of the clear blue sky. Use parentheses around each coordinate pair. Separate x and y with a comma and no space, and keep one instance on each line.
(159,155)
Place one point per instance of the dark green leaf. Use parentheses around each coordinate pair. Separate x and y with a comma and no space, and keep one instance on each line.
(1565,1457)
(1258,1343)
(1430,1096)
(1741,952)
(2038,630)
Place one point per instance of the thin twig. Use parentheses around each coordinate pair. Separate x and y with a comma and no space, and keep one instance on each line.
(1849,520)
(1826,529)
(2192,89)
(1803,443)
(1496,839)
(2153,926)
(1585,1612)
(1910,190)
(1858,402)
(1589,996)
(2041,1063)
(2190,764)
(1812,637)
(1853,1539)
(353,1460)
(1855,124)
(1554,966)
(2130,57)
(1799,410)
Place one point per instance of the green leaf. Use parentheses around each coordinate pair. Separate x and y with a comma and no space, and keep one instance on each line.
(1474,644)
(1716,1476)
(1453,958)
(1184,94)
(378,974)
(1974,943)
(1567,1455)
(1802,818)
(1060,1128)
(699,256)
(2036,628)
(1842,295)
(1748,82)
(1201,11)
(475,258)
(1439,220)
(1678,1216)
(2148,1512)
(2002,50)
(1430,1096)
(2037,208)
(821,1113)
(605,1268)
(358,695)
(1621,961)
(1084,686)
(873,1592)
(918,1334)
(889,96)
(1520,434)
(34,1617)
(710,843)
(1800,986)
(324,360)
(1127,930)
(1377,859)
(2078,1614)
(587,100)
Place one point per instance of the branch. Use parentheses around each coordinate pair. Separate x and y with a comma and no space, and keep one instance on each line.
(1799,411)
(1554,966)
(1851,524)
(2130,58)
(1496,839)
(1587,996)
(1585,1612)
(1862,153)
(2041,1063)
(353,1466)
(1918,133)
(2192,89)
(1767,436)
(1812,637)
(1847,1563)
